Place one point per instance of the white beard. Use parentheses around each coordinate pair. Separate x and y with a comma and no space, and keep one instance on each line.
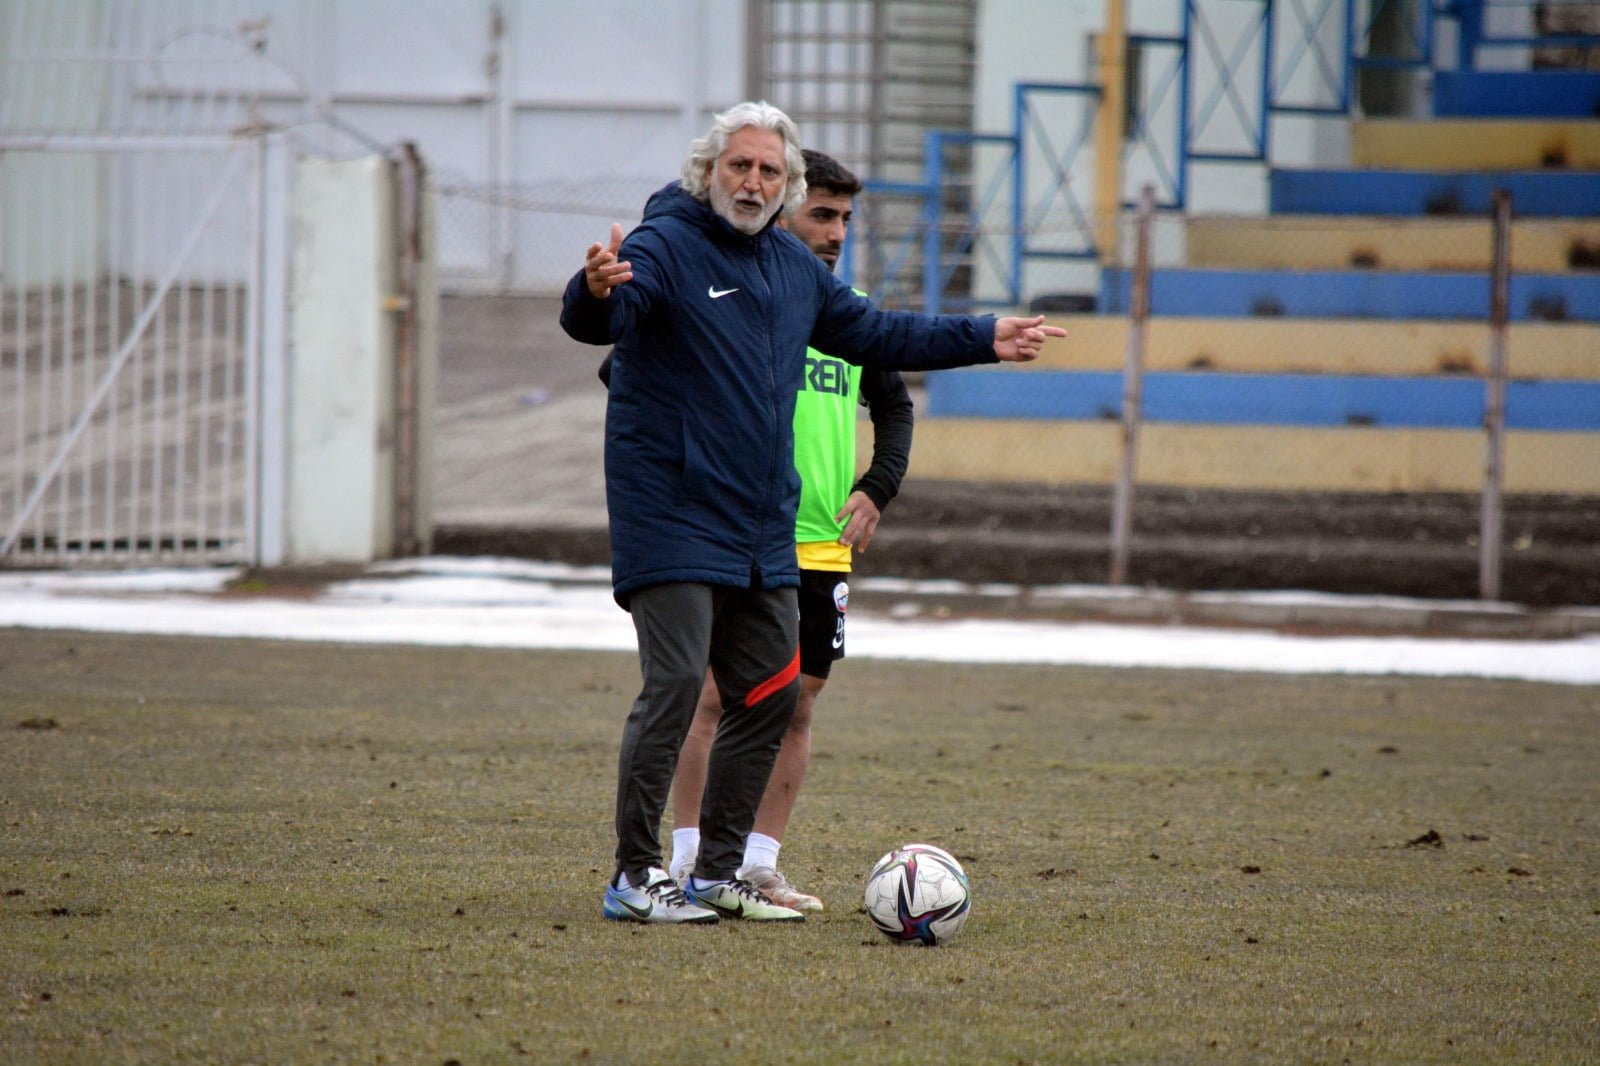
(722,202)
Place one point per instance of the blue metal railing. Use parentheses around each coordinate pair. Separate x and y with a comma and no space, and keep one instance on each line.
(1226,71)
(1334,76)
(944,249)
(972,236)
(896,252)
(1150,107)
(1037,150)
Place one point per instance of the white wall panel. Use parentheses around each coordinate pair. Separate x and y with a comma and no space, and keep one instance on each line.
(618,52)
(411,48)
(537,119)
(626,51)
(568,145)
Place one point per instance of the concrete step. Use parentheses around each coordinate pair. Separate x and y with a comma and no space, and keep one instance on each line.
(1044,564)
(1081,597)
(1545,350)
(1265,458)
(1475,144)
(1322,242)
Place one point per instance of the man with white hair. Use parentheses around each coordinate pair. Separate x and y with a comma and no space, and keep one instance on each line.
(710,308)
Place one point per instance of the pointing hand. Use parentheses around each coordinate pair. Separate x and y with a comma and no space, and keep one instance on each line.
(1017,340)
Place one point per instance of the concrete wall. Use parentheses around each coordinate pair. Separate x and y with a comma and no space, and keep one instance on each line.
(1476,144)
(1327,243)
(341,391)
(54,203)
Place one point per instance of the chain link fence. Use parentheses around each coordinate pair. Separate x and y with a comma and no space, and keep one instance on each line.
(487,231)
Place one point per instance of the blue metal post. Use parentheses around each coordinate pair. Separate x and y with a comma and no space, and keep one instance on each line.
(1019,240)
(1264,124)
(1181,194)
(932,160)
(1469,20)
(1346,89)
(1015,267)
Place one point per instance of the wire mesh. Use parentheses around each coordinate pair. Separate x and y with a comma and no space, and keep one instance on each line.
(123,382)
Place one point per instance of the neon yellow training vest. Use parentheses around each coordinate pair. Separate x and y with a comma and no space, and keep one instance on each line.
(825,456)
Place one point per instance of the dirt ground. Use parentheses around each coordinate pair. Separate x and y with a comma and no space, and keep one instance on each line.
(520,474)
(1402,545)
(240,850)
(1407,545)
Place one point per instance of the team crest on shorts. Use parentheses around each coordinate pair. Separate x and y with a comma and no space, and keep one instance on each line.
(841,596)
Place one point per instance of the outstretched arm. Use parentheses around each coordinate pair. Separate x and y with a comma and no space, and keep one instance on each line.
(1017,340)
(848,327)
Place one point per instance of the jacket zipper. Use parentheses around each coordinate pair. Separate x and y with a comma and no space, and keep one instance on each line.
(772,416)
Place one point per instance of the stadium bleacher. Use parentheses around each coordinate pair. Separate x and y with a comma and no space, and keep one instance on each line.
(1338,341)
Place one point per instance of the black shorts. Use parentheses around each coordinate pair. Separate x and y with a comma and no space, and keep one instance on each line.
(824,595)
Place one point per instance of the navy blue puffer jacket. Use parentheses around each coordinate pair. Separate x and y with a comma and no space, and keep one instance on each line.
(710,340)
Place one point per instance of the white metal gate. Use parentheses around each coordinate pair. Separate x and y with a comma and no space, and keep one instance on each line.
(141,281)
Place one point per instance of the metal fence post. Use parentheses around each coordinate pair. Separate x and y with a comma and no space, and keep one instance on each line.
(411,173)
(1494,404)
(504,106)
(1132,388)
(933,222)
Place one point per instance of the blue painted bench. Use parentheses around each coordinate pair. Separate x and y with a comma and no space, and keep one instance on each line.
(1353,294)
(1534,193)
(1264,399)
(1516,93)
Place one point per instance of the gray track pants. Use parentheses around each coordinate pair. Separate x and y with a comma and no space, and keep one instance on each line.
(751,639)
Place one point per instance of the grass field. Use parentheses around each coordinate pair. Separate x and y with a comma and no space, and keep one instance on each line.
(232,851)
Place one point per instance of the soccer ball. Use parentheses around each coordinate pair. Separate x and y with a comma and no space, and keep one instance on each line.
(918,894)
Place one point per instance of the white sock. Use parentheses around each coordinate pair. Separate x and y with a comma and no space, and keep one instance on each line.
(760,850)
(622,881)
(685,845)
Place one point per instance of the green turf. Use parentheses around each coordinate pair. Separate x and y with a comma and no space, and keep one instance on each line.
(232,851)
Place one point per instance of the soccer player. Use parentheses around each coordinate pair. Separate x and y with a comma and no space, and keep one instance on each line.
(836,513)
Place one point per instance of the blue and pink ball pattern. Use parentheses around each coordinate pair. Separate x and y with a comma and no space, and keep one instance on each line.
(918,894)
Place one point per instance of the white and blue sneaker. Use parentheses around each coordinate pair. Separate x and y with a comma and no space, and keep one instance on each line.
(660,900)
(738,899)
